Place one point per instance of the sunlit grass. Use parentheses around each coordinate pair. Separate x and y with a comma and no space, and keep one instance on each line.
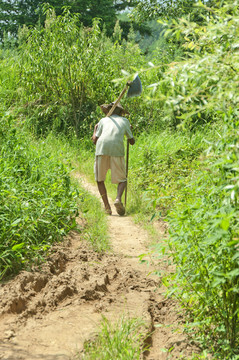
(95,229)
(123,340)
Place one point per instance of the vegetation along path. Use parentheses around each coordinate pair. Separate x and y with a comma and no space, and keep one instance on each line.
(50,313)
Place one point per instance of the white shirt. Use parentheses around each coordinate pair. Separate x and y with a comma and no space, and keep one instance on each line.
(110,132)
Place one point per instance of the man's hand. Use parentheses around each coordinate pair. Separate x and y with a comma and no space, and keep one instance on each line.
(132,141)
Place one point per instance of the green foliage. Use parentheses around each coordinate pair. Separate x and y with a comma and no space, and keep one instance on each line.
(60,75)
(128,25)
(204,242)
(95,229)
(204,220)
(8,76)
(93,219)
(66,71)
(120,341)
(145,10)
(166,161)
(38,204)
(15,13)
(199,89)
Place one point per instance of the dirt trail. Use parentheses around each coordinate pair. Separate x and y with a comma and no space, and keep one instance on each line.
(49,313)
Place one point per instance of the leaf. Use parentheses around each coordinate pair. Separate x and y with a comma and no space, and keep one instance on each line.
(229,187)
(14,223)
(18,247)
(124,72)
(153,216)
(218,281)
(225,223)
(233,273)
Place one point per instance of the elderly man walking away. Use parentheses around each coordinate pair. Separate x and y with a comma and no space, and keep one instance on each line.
(109,139)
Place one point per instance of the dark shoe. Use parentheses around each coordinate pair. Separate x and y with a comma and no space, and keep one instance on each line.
(119,207)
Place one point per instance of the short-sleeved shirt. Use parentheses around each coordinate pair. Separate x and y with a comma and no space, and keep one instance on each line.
(110,133)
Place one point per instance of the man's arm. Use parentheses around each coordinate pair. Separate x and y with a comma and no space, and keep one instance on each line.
(94,138)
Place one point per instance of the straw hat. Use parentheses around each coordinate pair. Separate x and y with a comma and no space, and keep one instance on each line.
(119,110)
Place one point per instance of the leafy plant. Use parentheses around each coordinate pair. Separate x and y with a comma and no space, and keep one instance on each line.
(203,223)
(200,88)
(67,71)
(204,242)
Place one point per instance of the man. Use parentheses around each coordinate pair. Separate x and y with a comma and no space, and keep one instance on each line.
(109,139)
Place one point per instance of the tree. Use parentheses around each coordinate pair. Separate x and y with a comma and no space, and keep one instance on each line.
(153,9)
(90,9)
(16,13)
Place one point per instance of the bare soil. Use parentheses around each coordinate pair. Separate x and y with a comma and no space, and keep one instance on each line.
(50,312)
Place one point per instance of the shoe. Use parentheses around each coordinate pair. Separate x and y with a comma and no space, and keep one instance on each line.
(119,207)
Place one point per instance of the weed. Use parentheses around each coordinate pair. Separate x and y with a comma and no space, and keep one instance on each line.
(122,340)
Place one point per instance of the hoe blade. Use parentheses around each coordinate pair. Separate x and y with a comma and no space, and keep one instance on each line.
(135,87)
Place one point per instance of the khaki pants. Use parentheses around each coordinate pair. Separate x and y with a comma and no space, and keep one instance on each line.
(117,165)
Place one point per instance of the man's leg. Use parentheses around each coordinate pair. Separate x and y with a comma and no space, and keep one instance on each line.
(118,176)
(103,193)
(118,204)
(120,189)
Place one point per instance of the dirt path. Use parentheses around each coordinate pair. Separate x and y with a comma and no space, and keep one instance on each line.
(49,313)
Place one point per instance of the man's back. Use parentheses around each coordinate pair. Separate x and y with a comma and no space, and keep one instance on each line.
(110,133)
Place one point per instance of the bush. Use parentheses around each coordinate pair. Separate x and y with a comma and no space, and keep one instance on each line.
(67,71)
(204,221)
(204,241)
(38,204)
(200,88)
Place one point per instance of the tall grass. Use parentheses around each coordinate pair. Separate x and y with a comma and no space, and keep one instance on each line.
(166,161)
(9,78)
(38,203)
(123,340)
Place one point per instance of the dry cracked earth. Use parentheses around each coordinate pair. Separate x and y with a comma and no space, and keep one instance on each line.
(49,313)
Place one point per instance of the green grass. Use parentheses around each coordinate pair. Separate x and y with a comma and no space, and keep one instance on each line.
(38,203)
(160,165)
(123,340)
(95,229)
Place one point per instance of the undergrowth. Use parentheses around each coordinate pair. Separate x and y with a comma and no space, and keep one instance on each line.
(38,203)
(95,229)
(170,175)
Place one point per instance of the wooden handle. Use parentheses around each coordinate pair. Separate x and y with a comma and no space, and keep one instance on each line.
(118,100)
(127,168)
